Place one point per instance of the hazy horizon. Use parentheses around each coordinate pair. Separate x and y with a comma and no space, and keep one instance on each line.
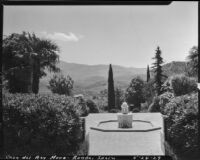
(125,35)
(114,64)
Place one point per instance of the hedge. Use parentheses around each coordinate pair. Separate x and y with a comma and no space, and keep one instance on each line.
(40,125)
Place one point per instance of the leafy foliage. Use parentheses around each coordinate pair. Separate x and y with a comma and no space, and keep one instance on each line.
(181,120)
(155,107)
(134,93)
(81,107)
(193,61)
(119,97)
(111,90)
(25,55)
(16,62)
(114,110)
(165,98)
(135,110)
(45,56)
(181,85)
(84,106)
(61,85)
(149,91)
(92,106)
(42,124)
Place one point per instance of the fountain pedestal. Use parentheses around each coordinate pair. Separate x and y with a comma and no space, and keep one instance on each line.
(125,120)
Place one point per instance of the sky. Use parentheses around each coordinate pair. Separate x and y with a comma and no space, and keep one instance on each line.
(125,35)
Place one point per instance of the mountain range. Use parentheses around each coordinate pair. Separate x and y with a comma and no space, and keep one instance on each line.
(91,79)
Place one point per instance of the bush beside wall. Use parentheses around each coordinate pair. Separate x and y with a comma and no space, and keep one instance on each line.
(181,120)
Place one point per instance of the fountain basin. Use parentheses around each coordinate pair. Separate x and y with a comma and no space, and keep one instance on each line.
(146,137)
(137,126)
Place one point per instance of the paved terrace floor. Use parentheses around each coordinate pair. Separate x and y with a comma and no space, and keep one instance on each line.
(125,143)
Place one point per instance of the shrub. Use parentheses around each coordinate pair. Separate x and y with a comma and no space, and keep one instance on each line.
(155,107)
(183,85)
(61,85)
(102,101)
(181,120)
(135,110)
(165,98)
(81,107)
(119,97)
(92,106)
(85,106)
(134,93)
(42,125)
(166,87)
(144,107)
(114,111)
(149,91)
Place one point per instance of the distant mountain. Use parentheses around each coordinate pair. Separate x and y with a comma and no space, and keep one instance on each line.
(93,78)
(82,72)
(172,68)
(175,67)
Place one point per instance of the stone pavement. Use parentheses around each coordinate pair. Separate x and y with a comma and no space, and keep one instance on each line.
(125,143)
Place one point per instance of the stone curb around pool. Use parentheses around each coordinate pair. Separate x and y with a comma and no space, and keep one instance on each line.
(124,130)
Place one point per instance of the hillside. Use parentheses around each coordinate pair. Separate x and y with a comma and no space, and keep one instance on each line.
(90,79)
(93,78)
(175,67)
(172,68)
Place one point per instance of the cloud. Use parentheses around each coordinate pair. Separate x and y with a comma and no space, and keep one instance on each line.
(70,37)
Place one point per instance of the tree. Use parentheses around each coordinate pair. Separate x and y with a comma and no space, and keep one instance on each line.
(111,91)
(61,85)
(193,61)
(158,70)
(119,97)
(25,55)
(16,63)
(45,56)
(154,107)
(148,73)
(149,91)
(134,93)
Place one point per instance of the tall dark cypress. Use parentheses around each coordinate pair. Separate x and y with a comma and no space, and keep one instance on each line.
(36,75)
(158,70)
(148,73)
(111,91)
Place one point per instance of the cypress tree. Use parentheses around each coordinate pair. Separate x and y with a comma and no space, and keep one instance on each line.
(111,91)
(158,70)
(148,73)
(36,75)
